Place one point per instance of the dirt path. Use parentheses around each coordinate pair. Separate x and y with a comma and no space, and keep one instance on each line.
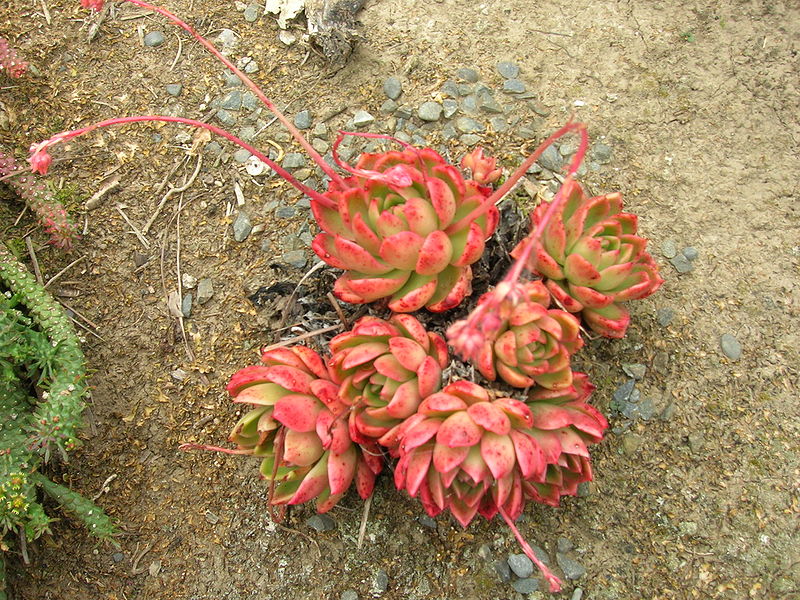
(699,105)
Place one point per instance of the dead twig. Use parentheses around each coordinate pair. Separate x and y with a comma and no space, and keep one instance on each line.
(300,533)
(108,186)
(135,230)
(178,54)
(135,570)
(46,12)
(337,307)
(362,530)
(104,488)
(94,28)
(64,270)
(174,190)
(34,261)
(301,337)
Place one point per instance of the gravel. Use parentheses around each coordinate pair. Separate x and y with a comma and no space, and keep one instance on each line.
(241,156)
(564,545)
(521,565)
(430,111)
(392,87)
(362,118)
(572,569)
(664,316)
(577,594)
(295,258)
(321,523)
(294,160)
(449,107)
(468,74)
(690,252)
(623,393)
(232,100)
(635,370)
(174,89)
(225,117)
(205,290)
(681,264)
(302,120)
(509,70)
(730,346)
(251,13)
(186,305)
(285,212)
(242,226)
(551,159)
(602,153)
(349,595)
(525,586)
(503,570)
(380,582)
(469,125)
(669,249)
(514,86)
(153,39)
(427,521)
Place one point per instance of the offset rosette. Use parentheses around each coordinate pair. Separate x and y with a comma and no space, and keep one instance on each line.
(592,259)
(564,425)
(533,344)
(299,428)
(467,453)
(385,369)
(404,228)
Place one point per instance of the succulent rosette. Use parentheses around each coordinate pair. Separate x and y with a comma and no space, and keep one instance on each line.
(406,227)
(592,259)
(534,343)
(564,426)
(299,428)
(385,369)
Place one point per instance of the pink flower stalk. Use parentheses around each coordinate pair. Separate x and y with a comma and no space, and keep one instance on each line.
(484,169)
(10,62)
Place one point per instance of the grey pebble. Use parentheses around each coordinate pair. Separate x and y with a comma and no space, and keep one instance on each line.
(730,346)
(508,70)
(690,252)
(572,569)
(251,13)
(469,139)
(584,489)
(487,103)
(232,100)
(225,117)
(503,570)
(485,551)
(362,118)
(228,39)
(602,153)
(682,264)
(241,156)
(388,107)
(403,112)
(205,290)
(285,212)
(630,444)
(320,130)
(174,89)
(248,134)
(669,249)
(118,557)
(349,595)
(540,554)
(468,74)
(449,132)
(230,79)
(568,148)
(392,87)
(186,306)
(577,594)
(564,545)
(514,86)
(664,316)
(380,582)
(521,565)
(696,441)
(635,370)
(250,101)
(623,393)
(295,258)
(551,159)
(449,107)
(321,522)
(241,226)
(154,39)
(293,160)
(302,120)
(430,111)
(427,521)
(450,88)
(213,148)
(499,124)
(468,125)
(525,586)
(469,104)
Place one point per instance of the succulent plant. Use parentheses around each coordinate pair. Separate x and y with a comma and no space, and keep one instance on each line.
(385,369)
(592,259)
(564,425)
(483,168)
(299,428)
(533,344)
(406,227)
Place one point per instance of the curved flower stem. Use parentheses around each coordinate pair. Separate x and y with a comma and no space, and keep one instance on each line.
(522,169)
(555,582)
(67,135)
(189,446)
(315,156)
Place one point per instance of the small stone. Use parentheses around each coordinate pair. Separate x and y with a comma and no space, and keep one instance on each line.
(392,87)
(682,264)
(664,316)
(551,159)
(430,111)
(174,89)
(320,146)
(250,101)
(568,148)
(503,570)
(469,139)
(186,305)
(571,568)
(688,527)
(623,393)
(225,117)
(241,156)
(669,249)
(631,443)
(205,290)
(213,148)
(468,125)
(696,441)
(465,89)
(247,133)
(320,130)
(241,226)
(232,100)
(388,107)
(468,74)
(668,412)
(584,489)
(661,362)
(508,70)
(514,86)
(403,112)
(521,565)
(540,554)
(635,370)
(118,557)
(487,103)
(730,346)
(251,13)
(449,107)
(228,39)
(349,595)
(154,39)
(602,153)
(427,521)
(155,568)
(293,160)
(211,517)
(485,551)
(302,120)
(285,212)
(691,253)
(303,174)
(362,118)
(321,523)
(295,258)
(577,594)
(525,586)
(231,80)
(564,545)
(380,583)
(469,104)
(449,132)
(450,88)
